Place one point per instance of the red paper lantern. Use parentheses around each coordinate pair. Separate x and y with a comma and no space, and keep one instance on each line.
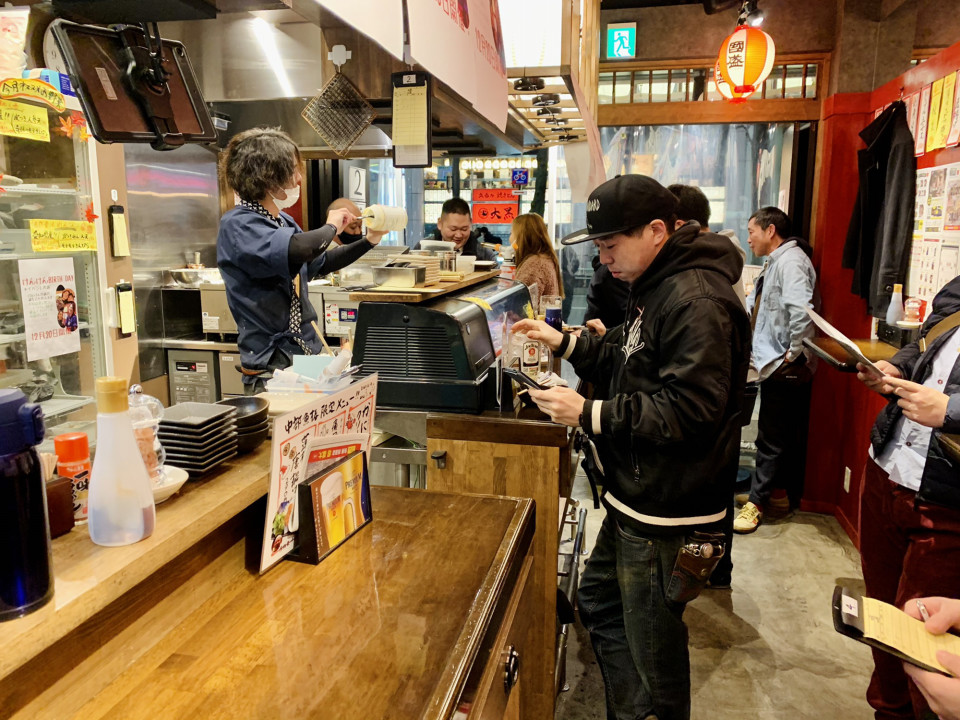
(746,58)
(724,88)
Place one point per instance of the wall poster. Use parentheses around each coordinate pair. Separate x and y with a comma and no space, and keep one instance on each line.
(48,293)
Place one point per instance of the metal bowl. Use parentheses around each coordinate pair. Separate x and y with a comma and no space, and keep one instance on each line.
(190,277)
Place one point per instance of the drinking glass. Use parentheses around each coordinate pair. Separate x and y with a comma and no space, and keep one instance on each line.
(551,307)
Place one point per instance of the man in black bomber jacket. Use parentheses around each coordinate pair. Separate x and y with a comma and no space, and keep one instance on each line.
(667,438)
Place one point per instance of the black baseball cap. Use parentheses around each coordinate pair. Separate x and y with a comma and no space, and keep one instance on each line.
(621,204)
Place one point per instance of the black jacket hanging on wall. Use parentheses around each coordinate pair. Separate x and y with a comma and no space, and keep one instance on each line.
(881,228)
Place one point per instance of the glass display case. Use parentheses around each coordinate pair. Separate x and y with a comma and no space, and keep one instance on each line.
(52,344)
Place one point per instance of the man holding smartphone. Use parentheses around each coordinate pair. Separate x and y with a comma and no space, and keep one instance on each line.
(667,438)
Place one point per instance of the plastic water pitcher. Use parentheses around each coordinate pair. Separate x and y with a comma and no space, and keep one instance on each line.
(26,583)
(120,503)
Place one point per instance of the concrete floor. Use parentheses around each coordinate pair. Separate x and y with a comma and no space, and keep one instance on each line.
(765,649)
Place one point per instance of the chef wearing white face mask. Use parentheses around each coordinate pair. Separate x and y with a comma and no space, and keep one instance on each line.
(266,259)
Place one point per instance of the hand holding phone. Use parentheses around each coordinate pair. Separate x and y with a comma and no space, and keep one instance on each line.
(523,379)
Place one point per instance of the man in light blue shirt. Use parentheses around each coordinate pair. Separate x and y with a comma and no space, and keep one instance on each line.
(777,305)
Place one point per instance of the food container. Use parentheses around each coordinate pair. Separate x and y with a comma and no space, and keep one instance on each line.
(402,277)
(465,263)
(448,261)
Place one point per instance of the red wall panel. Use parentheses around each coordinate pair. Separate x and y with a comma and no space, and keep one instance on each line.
(842,410)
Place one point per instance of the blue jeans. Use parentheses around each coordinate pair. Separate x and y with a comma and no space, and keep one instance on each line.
(638,636)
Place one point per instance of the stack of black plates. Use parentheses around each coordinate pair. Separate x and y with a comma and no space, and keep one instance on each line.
(198,436)
(253,424)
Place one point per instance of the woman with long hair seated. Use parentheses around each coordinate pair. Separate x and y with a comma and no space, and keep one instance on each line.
(534,255)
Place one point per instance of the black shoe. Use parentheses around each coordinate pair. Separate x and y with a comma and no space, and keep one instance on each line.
(719,582)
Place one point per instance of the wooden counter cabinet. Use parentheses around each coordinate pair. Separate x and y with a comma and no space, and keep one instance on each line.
(498,454)
(421,615)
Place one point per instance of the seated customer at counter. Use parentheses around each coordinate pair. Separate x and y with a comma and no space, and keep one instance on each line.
(456,226)
(534,254)
(266,259)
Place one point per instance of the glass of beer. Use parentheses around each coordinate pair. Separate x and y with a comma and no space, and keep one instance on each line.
(331,497)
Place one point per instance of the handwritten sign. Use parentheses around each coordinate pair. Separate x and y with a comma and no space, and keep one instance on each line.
(24,121)
(343,415)
(494,213)
(32,89)
(494,195)
(62,235)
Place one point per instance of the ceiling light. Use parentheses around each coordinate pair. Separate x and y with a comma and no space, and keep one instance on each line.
(545,111)
(546,100)
(554,120)
(529,84)
(566,138)
(750,14)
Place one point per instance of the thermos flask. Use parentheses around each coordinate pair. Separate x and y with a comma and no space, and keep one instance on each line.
(26,583)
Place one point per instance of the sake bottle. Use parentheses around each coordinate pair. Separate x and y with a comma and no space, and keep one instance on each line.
(120,500)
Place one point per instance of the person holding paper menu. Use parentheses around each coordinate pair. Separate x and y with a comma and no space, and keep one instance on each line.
(941,693)
(266,259)
(910,492)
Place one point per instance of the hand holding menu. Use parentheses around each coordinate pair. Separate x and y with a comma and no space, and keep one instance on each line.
(888,628)
(846,343)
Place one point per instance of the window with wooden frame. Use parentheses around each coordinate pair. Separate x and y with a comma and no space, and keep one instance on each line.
(792,79)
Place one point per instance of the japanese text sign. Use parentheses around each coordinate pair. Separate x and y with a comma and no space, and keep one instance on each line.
(494,213)
(24,121)
(62,235)
(349,412)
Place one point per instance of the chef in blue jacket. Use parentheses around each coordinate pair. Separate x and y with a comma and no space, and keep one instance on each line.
(266,259)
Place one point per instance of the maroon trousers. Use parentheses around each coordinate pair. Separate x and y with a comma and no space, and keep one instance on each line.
(906,552)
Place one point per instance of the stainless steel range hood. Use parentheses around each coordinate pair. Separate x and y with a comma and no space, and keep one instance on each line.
(262,67)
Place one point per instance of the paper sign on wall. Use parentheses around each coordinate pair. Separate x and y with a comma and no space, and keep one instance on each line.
(24,121)
(936,96)
(48,293)
(62,235)
(946,111)
(954,136)
(349,413)
(920,138)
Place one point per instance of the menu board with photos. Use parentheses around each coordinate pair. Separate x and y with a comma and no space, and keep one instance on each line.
(936,234)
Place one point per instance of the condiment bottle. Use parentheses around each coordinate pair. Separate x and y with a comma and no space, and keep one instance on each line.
(895,310)
(121,499)
(73,461)
(25,577)
(384,218)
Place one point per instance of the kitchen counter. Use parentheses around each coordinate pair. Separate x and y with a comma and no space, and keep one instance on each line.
(391,625)
(88,577)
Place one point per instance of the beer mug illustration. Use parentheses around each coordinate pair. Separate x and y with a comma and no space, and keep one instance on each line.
(331,496)
(352,512)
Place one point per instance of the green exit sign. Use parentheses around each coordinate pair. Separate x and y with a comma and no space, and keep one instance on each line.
(621,41)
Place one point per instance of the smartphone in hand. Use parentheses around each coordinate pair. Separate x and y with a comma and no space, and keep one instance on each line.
(523,379)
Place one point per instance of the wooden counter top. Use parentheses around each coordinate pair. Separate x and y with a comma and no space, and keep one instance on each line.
(390,625)
(88,577)
(420,294)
